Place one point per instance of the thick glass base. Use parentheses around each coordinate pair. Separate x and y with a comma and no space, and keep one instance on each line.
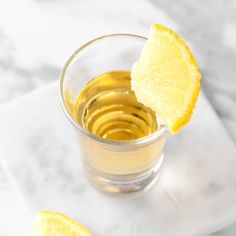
(119,185)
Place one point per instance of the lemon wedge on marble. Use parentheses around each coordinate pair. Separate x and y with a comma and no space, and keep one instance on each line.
(50,223)
(166,77)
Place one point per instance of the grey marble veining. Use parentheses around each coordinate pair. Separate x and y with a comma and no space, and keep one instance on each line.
(191,196)
(36,37)
(229,231)
(31,57)
(210,26)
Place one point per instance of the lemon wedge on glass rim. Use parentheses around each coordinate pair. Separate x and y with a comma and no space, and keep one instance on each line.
(50,223)
(166,77)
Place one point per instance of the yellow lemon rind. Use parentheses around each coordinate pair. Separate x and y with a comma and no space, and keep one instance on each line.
(75,227)
(182,117)
(175,124)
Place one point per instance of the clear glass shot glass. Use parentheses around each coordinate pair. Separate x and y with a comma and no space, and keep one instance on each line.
(113,166)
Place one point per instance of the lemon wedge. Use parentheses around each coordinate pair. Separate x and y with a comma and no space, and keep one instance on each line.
(166,77)
(50,223)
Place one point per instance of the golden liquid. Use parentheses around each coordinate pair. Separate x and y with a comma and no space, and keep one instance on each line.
(108,108)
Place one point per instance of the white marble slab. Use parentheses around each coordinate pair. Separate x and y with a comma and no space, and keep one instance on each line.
(14,213)
(195,195)
(36,36)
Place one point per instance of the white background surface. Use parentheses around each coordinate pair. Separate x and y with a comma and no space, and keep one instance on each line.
(195,194)
(36,37)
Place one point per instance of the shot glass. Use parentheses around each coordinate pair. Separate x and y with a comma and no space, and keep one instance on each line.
(116,167)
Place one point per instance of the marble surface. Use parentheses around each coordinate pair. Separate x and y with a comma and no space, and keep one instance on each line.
(191,196)
(36,36)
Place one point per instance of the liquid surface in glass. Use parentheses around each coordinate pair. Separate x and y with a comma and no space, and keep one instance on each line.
(108,108)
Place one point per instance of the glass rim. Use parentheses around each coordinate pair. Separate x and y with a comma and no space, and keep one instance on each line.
(141,141)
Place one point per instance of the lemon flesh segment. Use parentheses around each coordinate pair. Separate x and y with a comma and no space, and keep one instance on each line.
(50,223)
(166,77)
